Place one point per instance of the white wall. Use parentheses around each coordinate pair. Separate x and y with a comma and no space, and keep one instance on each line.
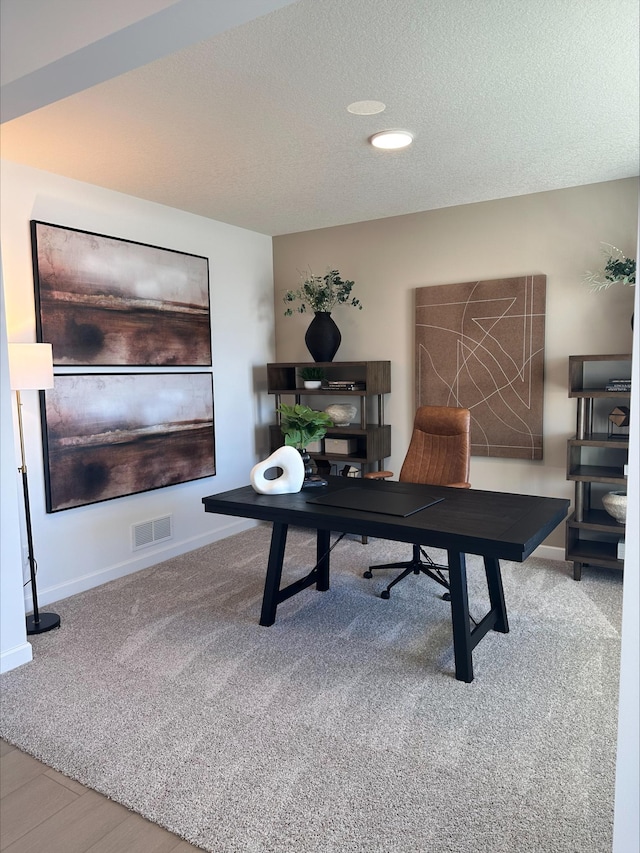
(14,648)
(556,233)
(626,825)
(80,548)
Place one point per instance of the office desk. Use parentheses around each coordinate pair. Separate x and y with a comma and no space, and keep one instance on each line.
(495,525)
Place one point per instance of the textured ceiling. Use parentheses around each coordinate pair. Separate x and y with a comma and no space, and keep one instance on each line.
(250,126)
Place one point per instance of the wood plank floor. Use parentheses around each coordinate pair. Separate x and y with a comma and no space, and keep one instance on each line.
(40,809)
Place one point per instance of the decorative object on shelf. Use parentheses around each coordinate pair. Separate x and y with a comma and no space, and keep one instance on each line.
(340,446)
(301,425)
(345,385)
(618,385)
(31,369)
(618,269)
(341,413)
(289,460)
(320,294)
(312,377)
(322,337)
(619,418)
(615,503)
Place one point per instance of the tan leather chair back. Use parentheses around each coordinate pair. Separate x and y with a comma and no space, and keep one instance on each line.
(440,447)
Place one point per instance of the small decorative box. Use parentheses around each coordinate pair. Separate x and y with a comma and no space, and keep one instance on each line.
(314,446)
(340,446)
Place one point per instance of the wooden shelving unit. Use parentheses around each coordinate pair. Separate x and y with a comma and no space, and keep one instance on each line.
(595,461)
(371,435)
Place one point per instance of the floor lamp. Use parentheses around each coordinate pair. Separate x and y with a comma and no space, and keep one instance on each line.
(31,369)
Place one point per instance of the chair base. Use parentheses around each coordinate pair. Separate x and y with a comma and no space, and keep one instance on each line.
(421,563)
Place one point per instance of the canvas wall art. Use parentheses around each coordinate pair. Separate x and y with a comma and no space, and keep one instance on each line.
(108,435)
(480,345)
(105,301)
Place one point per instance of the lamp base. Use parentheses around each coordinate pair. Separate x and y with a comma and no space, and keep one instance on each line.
(47,622)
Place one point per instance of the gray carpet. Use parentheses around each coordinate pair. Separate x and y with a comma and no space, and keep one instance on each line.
(340,729)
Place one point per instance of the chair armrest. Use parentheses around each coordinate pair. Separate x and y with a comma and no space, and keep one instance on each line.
(377,475)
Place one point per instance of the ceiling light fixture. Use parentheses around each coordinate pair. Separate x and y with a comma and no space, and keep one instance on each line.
(366,108)
(391,139)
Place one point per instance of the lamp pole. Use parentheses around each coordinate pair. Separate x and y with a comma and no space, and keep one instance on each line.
(38,622)
(31,368)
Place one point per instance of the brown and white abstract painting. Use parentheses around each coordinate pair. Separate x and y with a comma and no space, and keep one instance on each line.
(106,301)
(108,435)
(480,345)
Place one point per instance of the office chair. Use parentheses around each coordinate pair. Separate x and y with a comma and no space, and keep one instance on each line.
(438,455)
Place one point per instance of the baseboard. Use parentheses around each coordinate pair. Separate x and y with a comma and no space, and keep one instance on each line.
(47,595)
(57,593)
(16,657)
(550,552)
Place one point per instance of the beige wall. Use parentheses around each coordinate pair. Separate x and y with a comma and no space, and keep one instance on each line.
(556,233)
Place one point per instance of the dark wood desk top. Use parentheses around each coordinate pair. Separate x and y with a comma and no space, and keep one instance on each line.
(492,524)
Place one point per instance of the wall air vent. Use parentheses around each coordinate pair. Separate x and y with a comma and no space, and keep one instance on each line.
(149,532)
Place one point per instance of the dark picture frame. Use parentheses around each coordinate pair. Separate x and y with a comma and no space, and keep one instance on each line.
(110,435)
(105,301)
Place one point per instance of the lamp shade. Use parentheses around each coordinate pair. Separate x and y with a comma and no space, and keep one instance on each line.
(30,367)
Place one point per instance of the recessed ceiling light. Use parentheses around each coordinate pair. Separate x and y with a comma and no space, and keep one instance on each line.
(391,139)
(366,108)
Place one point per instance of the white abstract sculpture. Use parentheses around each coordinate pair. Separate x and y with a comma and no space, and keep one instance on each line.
(287,458)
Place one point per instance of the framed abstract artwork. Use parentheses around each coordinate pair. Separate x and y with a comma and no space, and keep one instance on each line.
(104,301)
(480,345)
(110,435)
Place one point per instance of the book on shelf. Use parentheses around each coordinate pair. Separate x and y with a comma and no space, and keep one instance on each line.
(343,385)
(620,549)
(618,385)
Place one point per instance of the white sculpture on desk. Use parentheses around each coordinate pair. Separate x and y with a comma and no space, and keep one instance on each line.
(291,479)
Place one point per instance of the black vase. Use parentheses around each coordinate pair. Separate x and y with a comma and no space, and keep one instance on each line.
(306,461)
(323,337)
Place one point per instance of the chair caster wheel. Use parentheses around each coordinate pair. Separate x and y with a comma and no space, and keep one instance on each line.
(367,574)
(446,596)
(385,593)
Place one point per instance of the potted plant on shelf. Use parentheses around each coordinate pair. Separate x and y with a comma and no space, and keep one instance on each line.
(300,425)
(312,377)
(321,294)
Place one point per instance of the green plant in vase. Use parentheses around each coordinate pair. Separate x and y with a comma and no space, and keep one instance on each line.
(321,294)
(300,425)
(312,376)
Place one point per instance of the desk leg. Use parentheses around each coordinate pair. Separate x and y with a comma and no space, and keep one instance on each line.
(496,594)
(462,646)
(274,573)
(323,543)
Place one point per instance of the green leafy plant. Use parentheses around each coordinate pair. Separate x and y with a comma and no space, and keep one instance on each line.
(618,268)
(301,425)
(320,293)
(312,374)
